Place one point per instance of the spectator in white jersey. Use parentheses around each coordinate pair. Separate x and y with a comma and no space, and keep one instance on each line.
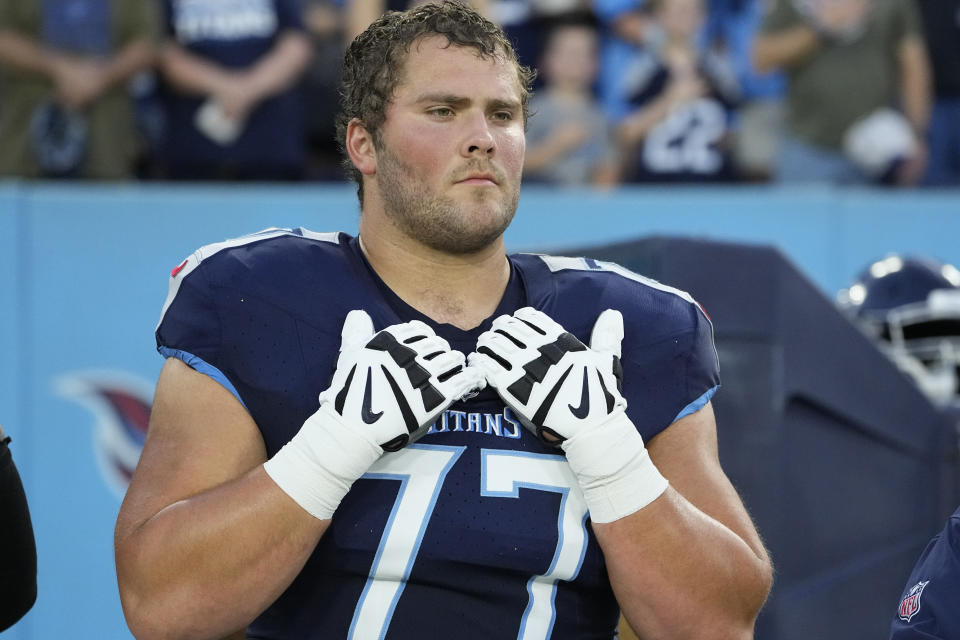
(682,97)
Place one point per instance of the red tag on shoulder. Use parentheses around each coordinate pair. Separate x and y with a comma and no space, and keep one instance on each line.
(177,269)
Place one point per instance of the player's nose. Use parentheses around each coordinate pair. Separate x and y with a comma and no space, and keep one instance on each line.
(478,138)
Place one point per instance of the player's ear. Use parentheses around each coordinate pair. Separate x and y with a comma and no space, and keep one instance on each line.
(359,143)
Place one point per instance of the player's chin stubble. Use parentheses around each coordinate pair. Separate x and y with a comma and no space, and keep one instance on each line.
(437,221)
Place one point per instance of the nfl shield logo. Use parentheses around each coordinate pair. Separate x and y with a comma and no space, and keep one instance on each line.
(911,602)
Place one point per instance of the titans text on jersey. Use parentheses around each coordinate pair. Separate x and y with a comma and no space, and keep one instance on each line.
(501,425)
(477,530)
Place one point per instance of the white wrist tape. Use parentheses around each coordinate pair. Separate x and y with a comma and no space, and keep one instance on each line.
(320,464)
(614,469)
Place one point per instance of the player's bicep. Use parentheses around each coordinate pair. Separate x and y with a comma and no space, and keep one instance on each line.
(686,454)
(199,437)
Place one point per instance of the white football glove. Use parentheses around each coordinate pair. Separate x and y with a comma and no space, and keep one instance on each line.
(387,389)
(569,394)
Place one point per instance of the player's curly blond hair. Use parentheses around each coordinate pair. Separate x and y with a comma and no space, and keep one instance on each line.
(373,63)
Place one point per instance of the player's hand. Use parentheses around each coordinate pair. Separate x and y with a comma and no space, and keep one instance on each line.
(556,385)
(392,385)
(569,393)
(386,391)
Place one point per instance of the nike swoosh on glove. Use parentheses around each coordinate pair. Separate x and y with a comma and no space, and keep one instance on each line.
(551,380)
(387,389)
(569,394)
(392,385)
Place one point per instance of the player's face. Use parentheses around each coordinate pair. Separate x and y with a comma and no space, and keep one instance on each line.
(451,153)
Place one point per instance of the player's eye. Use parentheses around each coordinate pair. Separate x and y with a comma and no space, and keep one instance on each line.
(441,112)
(503,116)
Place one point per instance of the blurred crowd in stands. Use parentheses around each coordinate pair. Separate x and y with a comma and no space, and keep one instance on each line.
(629,91)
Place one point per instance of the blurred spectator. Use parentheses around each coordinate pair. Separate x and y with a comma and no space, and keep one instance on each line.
(18,569)
(528,22)
(731,28)
(627,25)
(325,23)
(65,110)
(941,21)
(231,69)
(847,62)
(568,137)
(682,99)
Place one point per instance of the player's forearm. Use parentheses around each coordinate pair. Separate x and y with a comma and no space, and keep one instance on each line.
(189,73)
(130,60)
(915,84)
(784,49)
(26,54)
(638,124)
(677,573)
(281,67)
(206,566)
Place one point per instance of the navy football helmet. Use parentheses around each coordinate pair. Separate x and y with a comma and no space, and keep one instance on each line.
(911,307)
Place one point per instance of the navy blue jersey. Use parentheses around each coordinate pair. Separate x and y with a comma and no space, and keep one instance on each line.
(690,143)
(928,607)
(236,35)
(477,530)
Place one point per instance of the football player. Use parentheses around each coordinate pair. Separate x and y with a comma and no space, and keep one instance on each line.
(910,306)
(928,606)
(504,446)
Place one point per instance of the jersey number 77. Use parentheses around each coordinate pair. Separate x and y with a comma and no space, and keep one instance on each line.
(421,469)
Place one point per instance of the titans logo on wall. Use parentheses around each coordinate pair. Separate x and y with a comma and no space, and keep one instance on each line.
(120,403)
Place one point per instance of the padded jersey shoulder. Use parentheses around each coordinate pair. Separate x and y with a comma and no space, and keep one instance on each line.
(671,367)
(594,285)
(271,256)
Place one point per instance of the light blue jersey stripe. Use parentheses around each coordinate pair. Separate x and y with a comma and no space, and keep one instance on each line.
(202,366)
(697,404)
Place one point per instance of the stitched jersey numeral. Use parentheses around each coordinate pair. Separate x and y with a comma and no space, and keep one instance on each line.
(504,474)
(421,469)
